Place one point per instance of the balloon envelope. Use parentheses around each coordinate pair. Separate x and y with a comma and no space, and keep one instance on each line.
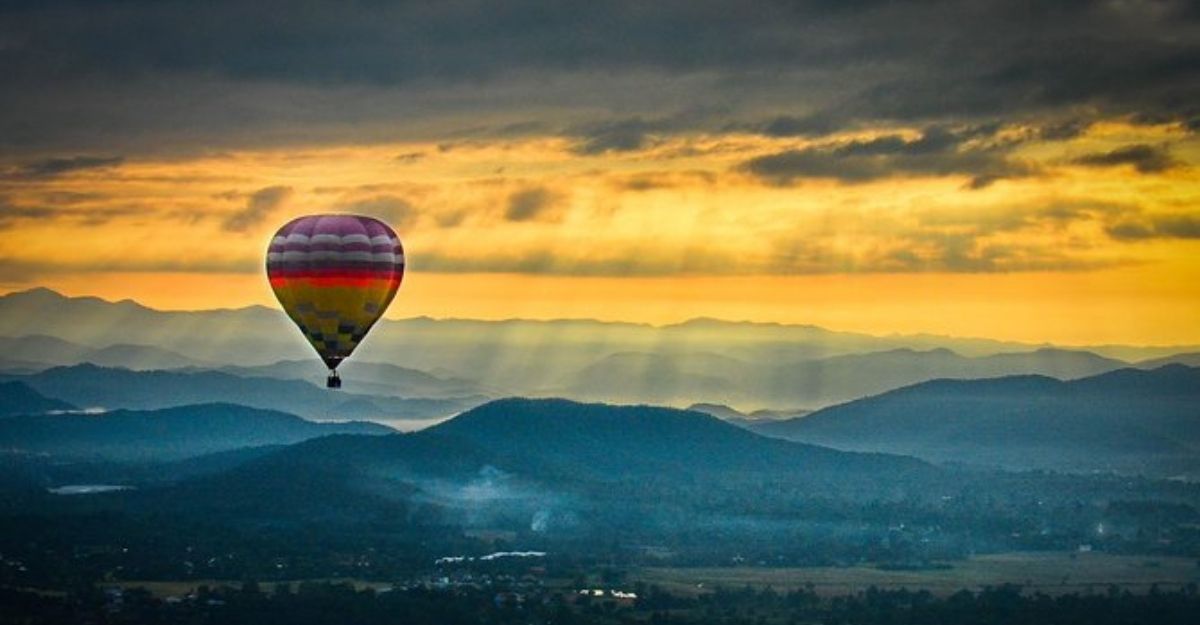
(335,276)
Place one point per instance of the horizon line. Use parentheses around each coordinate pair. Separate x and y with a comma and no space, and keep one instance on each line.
(641,324)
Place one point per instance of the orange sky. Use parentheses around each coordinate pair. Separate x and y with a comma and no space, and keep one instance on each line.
(1080,308)
(529,227)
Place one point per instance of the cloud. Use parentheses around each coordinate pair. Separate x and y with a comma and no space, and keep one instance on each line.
(817,124)
(1156,227)
(72,207)
(410,157)
(19,269)
(258,207)
(232,73)
(396,211)
(534,204)
(938,151)
(632,259)
(1064,129)
(51,167)
(10,213)
(1050,236)
(654,180)
(1147,159)
(617,136)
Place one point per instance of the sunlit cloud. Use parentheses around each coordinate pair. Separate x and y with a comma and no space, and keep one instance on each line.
(606,141)
(535,204)
(1156,227)
(259,206)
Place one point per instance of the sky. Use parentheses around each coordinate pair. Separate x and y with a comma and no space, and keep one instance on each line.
(1013,170)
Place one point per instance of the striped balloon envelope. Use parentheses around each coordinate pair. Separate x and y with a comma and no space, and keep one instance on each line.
(335,275)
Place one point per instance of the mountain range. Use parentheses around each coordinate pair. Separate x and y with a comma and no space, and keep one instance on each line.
(17,398)
(162,435)
(36,351)
(585,481)
(89,386)
(1127,420)
(592,480)
(367,377)
(746,365)
(675,379)
(525,459)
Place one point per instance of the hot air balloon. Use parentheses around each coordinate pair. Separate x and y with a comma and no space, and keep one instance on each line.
(335,276)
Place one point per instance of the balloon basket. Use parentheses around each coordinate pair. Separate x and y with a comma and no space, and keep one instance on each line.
(333,381)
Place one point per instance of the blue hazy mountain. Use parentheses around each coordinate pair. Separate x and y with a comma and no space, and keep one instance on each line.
(1191,359)
(720,411)
(746,420)
(169,434)
(91,386)
(745,365)
(367,377)
(17,398)
(687,377)
(1125,420)
(519,456)
(628,440)
(41,352)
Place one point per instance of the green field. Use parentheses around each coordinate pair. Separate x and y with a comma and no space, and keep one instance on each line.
(1051,573)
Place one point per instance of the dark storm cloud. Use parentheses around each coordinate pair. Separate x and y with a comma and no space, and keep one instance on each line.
(938,151)
(635,133)
(1156,227)
(617,136)
(214,73)
(807,126)
(50,167)
(1068,129)
(258,207)
(1147,159)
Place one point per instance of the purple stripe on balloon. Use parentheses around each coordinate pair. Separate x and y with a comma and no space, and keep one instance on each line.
(340,226)
(349,264)
(335,247)
(301,246)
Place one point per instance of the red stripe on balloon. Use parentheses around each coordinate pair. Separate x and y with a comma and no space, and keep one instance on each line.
(333,281)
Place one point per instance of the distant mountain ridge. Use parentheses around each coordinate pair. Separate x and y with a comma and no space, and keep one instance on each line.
(730,415)
(18,398)
(742,364)
(366,377)
(169,434)
(91,386)
(1125,420)
(50,351)
(670,378)
(1191,359)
